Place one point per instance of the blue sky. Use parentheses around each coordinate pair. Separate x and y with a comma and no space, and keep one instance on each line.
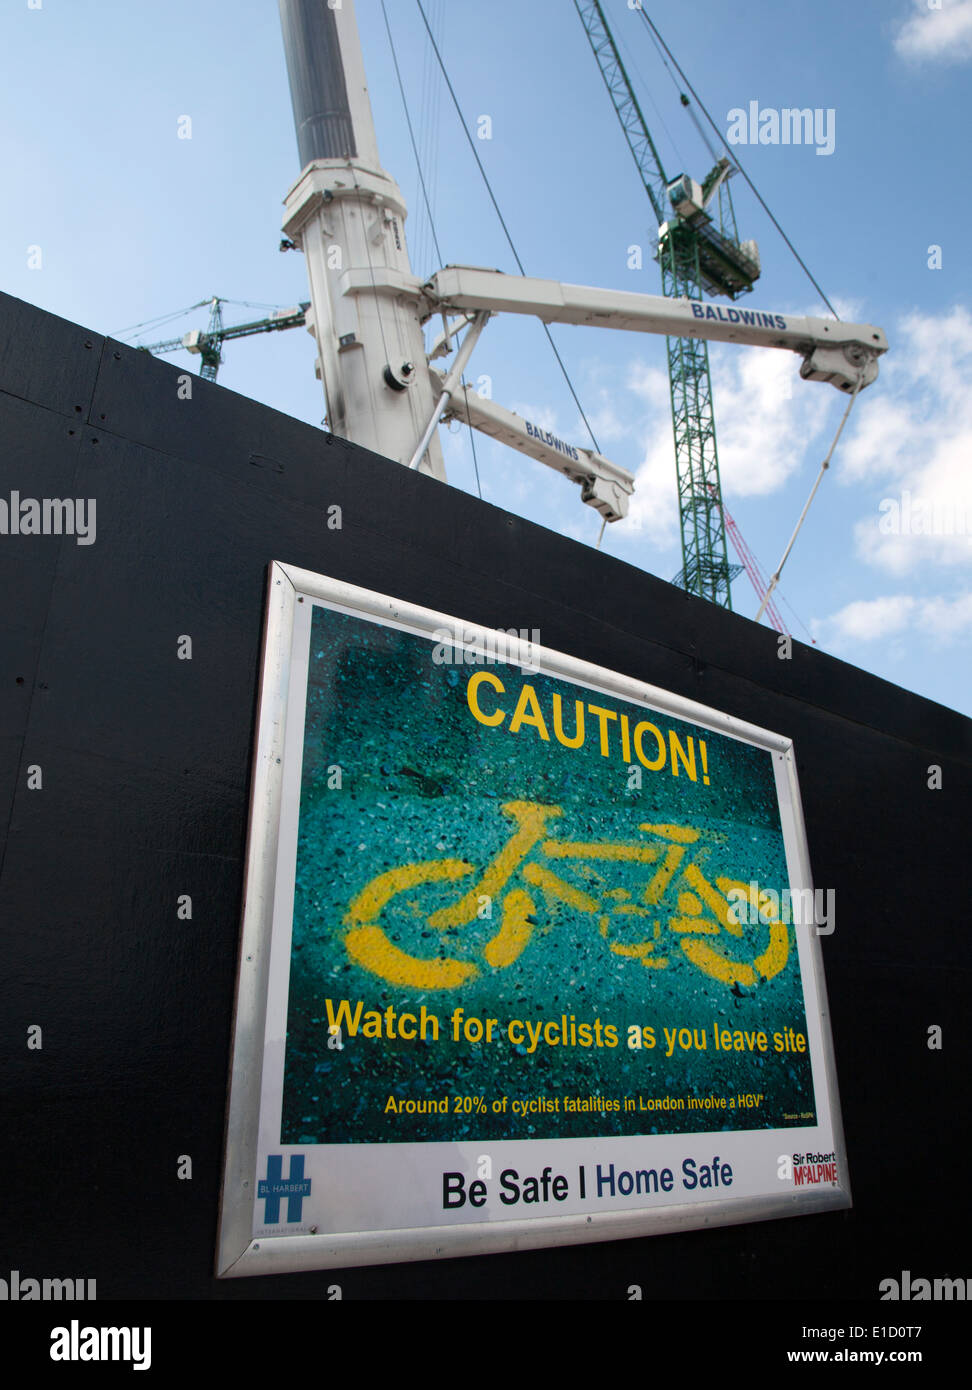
(133,223)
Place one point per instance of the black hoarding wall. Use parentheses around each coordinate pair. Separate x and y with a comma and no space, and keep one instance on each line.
(144,764)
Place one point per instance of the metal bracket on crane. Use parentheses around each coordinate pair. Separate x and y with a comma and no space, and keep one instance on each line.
(443,343)
(449,383)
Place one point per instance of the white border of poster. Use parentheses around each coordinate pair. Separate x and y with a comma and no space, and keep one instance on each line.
(382,1220)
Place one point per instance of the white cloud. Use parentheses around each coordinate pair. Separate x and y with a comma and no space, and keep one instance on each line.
(649,384)
(947,618)
(601,409)
(943,33)
(766,420)
(865,620)
(869,620)
(653,510)
(765,417)
(913,440)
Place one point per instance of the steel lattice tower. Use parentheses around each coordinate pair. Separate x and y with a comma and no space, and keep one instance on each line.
(705,561)
(693,256)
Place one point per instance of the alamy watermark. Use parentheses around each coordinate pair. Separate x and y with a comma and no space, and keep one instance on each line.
(910,1290)
(921,516)
(503,646)
(17,1289)
(788,125)
(804,906)
(49,516)
(77,1343)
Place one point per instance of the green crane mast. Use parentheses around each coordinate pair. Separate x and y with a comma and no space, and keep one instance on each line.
(694,255)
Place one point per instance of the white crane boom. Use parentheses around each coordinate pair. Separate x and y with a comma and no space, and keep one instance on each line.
(832,350)
(604,485)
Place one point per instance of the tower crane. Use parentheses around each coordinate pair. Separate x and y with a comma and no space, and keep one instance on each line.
(208,344)
(347,216)
(694,255)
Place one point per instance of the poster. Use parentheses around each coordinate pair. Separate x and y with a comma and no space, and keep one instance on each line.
(530,952)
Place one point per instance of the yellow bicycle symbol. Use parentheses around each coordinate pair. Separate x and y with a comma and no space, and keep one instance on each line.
(369,946)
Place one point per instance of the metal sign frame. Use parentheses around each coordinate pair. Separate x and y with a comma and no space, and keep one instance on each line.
(356,1173)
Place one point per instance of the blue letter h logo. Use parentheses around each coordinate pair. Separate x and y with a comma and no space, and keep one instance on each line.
(273,1187)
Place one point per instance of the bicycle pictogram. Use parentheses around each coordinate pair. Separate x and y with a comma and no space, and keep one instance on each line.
(677,908)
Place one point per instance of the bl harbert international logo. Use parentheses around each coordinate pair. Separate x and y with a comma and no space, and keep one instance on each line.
(274,1187)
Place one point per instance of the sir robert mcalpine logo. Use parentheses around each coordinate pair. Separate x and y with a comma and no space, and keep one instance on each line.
(809,1169)
(274,1187)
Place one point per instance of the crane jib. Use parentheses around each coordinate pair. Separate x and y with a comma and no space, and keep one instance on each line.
(751,317)
(545,437)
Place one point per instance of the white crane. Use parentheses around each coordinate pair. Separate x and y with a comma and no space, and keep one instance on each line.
(347,215)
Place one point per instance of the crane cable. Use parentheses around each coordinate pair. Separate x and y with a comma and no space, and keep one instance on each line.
(472,439)
(698,126)
(428,209)
(432,110)
(646,86)
(735,159)
(502,220)
(684,101)
(163,318)
(783,597)
(411,136)
(428,139)
(813,491)
(371,269)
